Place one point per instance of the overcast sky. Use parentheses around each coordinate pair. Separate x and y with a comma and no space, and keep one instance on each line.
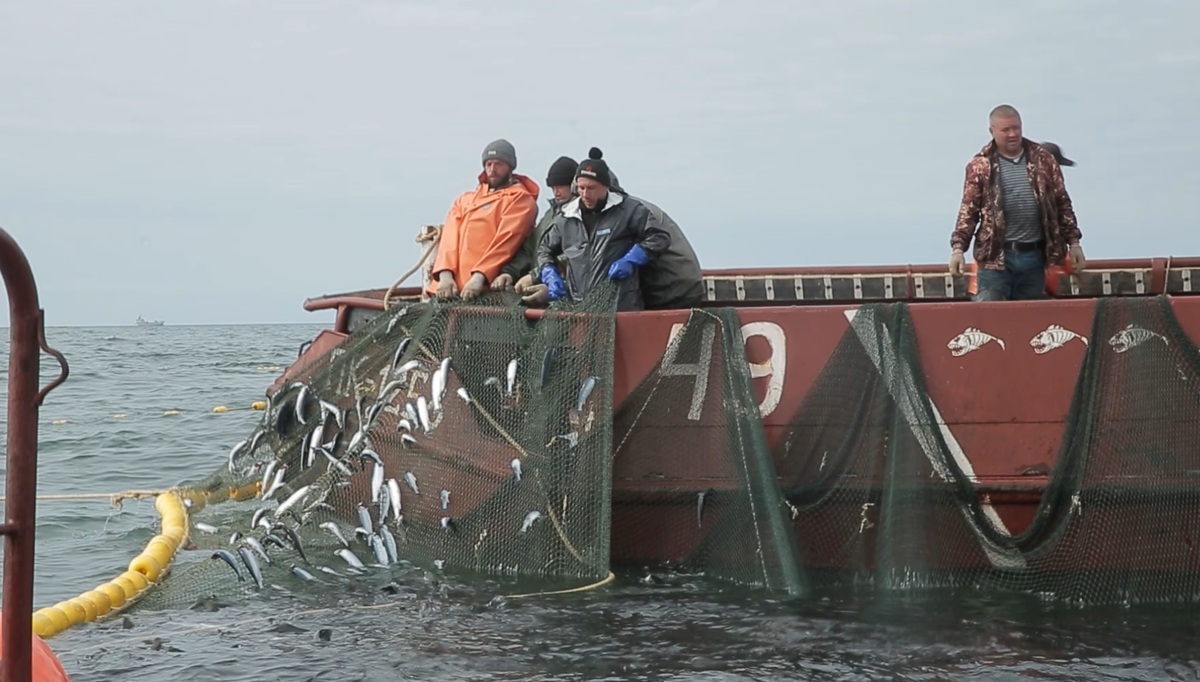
(220,161)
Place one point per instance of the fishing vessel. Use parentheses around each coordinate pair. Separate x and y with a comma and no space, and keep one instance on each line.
(143,322)
(1046,416)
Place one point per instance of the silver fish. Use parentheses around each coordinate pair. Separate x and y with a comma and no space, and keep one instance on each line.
(462,393)
(400,348)
(439,564)
(251,565)
(394,493)
(403,370)
(275,484)
(257,518)
(291,501)
(294,539)
(301,573)
(392,323)
(336,463)
(572,439)
(516,468)
(444,371)
(423,413)
(411,479)
(389,541)
(701,499)
(585,390)
(1133,336)
(381,554)
(388,389)
(334,411)
(511,374)
(448,524)
(257,547)
(234,537)
(235,451)
(336,532)
(326,569)
(403,424)
(268,473)
(227,557)
(529,519)
(301,403)
(364,518)
(970,340)
(445,496)
(436,386)
(349,557)
(205,528)
(357,438)
(494,381)
(411,411)
(385,502)
(256,439)
(370,454)
(407,440)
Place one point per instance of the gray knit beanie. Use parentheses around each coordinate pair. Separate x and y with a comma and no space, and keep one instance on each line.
(501,149)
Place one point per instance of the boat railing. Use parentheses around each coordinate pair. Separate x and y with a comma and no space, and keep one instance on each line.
(27,336)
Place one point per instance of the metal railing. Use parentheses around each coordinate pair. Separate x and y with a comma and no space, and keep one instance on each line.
(20,498)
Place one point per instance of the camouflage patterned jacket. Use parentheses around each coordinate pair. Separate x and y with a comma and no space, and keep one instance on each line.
(982,212)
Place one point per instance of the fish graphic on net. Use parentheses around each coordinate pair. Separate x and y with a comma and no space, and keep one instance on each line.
(1133,336)
(1052,337)
(970,340)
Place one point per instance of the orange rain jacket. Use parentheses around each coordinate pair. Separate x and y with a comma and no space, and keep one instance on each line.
(485,229)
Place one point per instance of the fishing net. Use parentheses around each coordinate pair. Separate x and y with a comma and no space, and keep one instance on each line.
(467,436)
(697,481)
(880,500)
(438,435)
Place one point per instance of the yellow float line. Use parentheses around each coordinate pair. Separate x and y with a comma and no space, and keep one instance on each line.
(145,570)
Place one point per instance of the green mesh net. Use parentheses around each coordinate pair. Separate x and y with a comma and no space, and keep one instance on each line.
(460,436)
(468,436)
(881,501)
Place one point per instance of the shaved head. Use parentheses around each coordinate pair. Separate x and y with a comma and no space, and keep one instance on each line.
(1003,111)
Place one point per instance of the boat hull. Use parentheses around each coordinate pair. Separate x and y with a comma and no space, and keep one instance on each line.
(1002,397)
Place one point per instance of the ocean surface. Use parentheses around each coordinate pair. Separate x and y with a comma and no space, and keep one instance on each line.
(137,413)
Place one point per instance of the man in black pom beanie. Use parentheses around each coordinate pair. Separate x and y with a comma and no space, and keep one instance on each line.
(603,235)
(560,179)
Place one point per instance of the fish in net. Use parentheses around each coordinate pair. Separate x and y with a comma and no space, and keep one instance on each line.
(445,435)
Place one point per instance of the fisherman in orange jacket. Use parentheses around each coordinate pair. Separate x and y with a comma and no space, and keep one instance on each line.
(485,227)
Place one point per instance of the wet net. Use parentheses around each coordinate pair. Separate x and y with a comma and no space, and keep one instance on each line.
(879,500)
(439,435)
(469,437)
(697,481)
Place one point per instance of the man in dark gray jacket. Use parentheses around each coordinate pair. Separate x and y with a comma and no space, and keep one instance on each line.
(602,234)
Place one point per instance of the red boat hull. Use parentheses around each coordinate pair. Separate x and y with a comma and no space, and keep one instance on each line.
(1003,400)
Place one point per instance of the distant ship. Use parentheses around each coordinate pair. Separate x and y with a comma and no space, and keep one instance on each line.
(143,322)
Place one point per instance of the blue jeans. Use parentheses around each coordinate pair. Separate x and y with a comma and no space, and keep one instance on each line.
(1023,278)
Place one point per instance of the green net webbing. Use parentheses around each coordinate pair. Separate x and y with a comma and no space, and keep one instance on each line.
(879,499)
(695,417)
(440,435)
(467,436)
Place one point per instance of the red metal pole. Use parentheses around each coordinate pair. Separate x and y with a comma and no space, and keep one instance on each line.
(20,499)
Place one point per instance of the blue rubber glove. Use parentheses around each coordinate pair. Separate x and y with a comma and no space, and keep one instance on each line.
(555,286)
(624,268)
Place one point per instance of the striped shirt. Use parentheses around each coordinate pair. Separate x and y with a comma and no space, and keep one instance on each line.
(1022,216)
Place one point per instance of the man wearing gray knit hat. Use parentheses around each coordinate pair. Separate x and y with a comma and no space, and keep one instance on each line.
(485,227)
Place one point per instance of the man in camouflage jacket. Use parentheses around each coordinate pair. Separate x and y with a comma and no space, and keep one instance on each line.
(1019,214)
